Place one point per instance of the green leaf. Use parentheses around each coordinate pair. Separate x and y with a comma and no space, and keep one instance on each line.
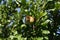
(45,23)
(45,32)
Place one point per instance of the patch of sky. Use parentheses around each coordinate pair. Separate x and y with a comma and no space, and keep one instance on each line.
(30,5)
(3,2)
(34,0)
(29,9)
(24,18)
(18,9)
(27,0)
(59,11)
(58,31)
(11,23)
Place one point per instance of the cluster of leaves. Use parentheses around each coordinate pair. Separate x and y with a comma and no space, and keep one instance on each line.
(13,26)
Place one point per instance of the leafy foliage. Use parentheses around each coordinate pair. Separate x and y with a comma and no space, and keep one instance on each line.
(29,19)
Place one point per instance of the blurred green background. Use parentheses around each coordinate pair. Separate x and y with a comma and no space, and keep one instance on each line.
(15,26)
